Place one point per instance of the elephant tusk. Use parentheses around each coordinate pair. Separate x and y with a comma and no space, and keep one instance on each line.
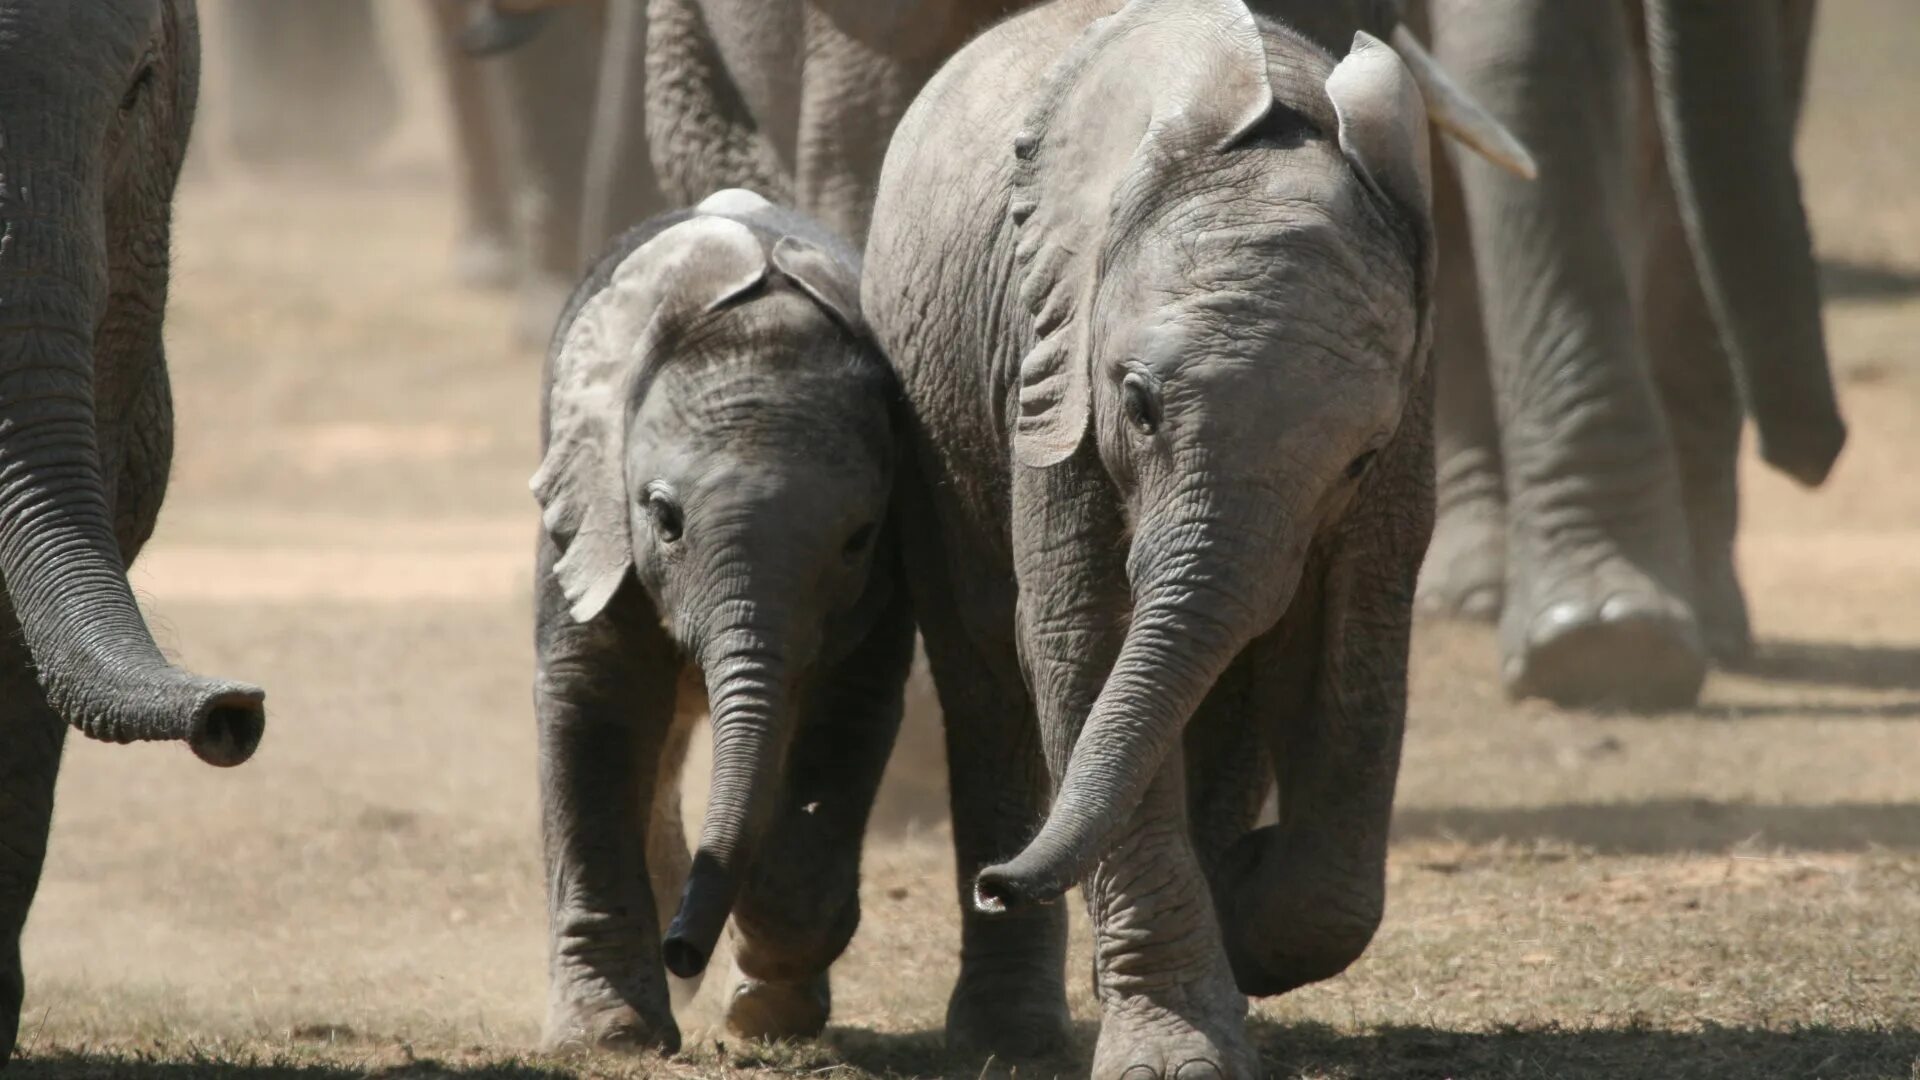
(1454,111)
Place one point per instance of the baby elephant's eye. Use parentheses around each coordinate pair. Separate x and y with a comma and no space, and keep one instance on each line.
(664,511)
(858,543)
(1141,399)
(1359,466)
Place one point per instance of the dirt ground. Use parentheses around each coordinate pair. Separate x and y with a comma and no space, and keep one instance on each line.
(1729,892)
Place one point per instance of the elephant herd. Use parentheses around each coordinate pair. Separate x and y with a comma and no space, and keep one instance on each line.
(1153,361)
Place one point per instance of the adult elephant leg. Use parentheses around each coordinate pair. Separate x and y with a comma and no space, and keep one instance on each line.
(1696,378)
(1168,1001)
(1598,566)
(621,187)
(30,740)
(308,82)
(802,903)
(1465,574)
(485,255)
(1703,412)
(604,699)
(854,96)
(1010,1001)
(549,85)
(701,126)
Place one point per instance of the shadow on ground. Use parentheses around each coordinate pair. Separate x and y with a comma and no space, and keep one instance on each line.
(1673,826)
(137,1067)
(1710,1053)
(1296,1051)
(1846,279)
(1824,663)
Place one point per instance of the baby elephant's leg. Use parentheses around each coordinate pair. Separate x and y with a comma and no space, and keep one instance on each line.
(604,696)
(802,900)
(1300,900)
(1170,1009)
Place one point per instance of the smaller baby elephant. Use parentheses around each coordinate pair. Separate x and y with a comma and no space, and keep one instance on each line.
(719,454)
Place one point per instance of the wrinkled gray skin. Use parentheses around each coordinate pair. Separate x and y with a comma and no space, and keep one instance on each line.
(802,96)
(794,96)
(720,451)
(1657,273)
(1173,484)
(96,100)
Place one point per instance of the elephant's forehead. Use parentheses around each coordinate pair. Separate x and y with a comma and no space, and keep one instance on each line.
(1303,275)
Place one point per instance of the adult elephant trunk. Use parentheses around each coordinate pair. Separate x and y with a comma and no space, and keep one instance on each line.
(497,26)
(63,568)
(749,700)
(1722,85)
(1203,590)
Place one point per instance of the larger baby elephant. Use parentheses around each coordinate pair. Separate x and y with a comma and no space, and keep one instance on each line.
(1659,273)
(96,101)
(1162,322)
(719,460)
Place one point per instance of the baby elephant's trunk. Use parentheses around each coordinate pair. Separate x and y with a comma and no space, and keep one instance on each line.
(748,695)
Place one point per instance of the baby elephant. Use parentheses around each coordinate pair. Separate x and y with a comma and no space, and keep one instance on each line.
(719,453)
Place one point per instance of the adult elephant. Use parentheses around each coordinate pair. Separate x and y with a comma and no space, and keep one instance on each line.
(1656,276)
(794,97)
(565,122)
(800,97)
(549,140)
(95,104)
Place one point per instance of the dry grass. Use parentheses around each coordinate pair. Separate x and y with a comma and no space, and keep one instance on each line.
(1728,893)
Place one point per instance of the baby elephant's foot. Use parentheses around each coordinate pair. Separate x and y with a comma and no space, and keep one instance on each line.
(1604,642)
(1143,1039)
(1023,1022)
(603,1024)
(778,1009)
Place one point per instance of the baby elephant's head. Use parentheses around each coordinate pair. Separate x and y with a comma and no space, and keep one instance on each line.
(720,428)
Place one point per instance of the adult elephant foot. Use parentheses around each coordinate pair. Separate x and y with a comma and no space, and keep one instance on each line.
(1194,1032)
(1464,576)
(1007,1020)
(1606,636)
(778,1008)
(602,1020)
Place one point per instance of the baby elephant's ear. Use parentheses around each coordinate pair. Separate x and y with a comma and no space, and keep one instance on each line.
(613,341)
(1383,125)
(1155,88)
(831,283)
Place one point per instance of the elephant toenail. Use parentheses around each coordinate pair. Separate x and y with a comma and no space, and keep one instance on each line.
(1623,606)
(1559,618)
(1198,1069)
(1141,1072)
(1480,605)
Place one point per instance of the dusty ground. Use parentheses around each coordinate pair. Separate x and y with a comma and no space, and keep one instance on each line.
(1731,892)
